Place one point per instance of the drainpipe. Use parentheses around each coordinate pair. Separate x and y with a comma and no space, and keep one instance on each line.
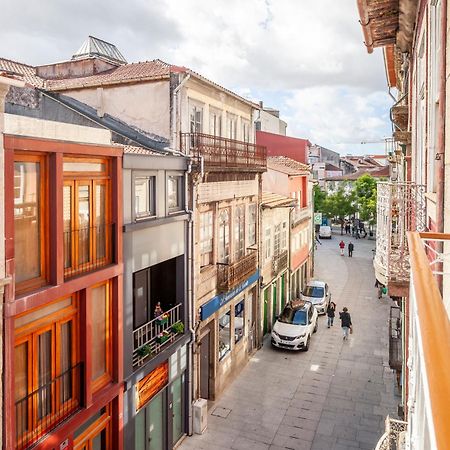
(176,110)
(440,156)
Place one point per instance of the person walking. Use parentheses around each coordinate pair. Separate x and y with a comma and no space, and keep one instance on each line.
(346,322)
(342,246)
(350,249)
(331,313)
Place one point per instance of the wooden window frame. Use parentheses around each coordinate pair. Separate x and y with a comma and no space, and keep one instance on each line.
(42,280)
(105,378)
(29,333)
(84,440)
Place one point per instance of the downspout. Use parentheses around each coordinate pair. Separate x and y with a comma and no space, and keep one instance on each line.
(176,110)
(441,136)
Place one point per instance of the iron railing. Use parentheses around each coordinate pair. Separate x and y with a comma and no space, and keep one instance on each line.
(150,338)
(279,262)
(88,249)
(400,208)
(230,275)
(395,338)
(218,153)
(393,437)
(45,408)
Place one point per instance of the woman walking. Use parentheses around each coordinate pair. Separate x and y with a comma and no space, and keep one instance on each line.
(342,246)
(331,313)
(346,322)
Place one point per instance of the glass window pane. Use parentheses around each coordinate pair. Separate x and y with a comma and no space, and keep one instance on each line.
(99,441)
(99,330)
(27,219)
(174,192)
(83,224)
(239,321)
(44,374)
(224,236)
(21,387)
(144,196)
(42,312)
(140,298)
(66,362)
(224,334)
(84,167)
(100,221)
(67,214)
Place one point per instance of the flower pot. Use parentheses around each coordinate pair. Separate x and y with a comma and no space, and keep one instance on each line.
(162,339)
(162,321)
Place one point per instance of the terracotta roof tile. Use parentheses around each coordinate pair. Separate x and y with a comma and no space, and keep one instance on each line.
(271,200)
(28,73)
(286,165)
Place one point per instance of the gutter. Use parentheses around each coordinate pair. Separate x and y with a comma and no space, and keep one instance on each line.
(365,22)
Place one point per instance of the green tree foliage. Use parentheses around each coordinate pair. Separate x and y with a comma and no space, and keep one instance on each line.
(365,191)
(319,198)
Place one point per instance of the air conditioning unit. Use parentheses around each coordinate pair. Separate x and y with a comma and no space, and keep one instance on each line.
(200,410)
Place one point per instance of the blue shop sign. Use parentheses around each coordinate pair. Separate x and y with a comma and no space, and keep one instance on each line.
(218,301)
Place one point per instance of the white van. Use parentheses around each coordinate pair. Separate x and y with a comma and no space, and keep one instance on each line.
(325,232)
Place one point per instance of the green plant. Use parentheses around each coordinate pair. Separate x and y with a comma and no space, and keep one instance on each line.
(178,327)
(145,350)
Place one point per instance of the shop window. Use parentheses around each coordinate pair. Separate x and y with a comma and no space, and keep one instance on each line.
(206,238)
(101,335)
(174,193)
(29,222)
(224,335)
(239,233)
(252,224)
(224,236)
(239,321)
(144,197)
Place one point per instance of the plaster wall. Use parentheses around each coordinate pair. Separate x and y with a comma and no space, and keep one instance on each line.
(271,123)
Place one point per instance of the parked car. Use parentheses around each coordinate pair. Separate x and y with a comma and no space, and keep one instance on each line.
(325,232)
(295,325)
(318,293)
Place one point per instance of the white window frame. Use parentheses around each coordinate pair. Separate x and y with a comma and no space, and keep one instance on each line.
(206,238)
(151,186)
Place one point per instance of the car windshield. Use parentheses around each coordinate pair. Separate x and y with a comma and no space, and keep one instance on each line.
(313,291)
(293,316)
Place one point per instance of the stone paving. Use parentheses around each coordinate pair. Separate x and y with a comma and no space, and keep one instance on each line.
(335,396)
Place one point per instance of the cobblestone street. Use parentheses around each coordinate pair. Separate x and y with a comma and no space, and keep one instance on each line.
(336,395)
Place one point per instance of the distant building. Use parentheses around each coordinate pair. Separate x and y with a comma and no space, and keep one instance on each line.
(268,119)
(279,145)
(333,183)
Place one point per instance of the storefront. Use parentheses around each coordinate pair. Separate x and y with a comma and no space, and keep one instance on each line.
(227,336)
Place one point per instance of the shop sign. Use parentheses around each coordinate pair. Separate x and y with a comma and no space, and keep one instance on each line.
(151,384)
(218,301)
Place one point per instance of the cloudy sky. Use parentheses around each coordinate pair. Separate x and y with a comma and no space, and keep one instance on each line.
(305,58)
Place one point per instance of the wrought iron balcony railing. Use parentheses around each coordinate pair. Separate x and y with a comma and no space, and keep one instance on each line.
(151,338)
(88,249)
(279,262)
(394,435)
(230,275)
(395,339)
(218,153)
(400,208)
(45,408)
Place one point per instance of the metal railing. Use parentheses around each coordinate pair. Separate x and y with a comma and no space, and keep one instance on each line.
(88,249)
(150,338)
(279,262)
(230,275)
(217,152)
(45,408)
(400,208)
(395,338)
(393,437)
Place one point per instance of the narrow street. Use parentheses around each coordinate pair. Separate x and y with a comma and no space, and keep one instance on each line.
(335,396)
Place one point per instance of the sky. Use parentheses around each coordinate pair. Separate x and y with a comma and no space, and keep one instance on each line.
(305,58)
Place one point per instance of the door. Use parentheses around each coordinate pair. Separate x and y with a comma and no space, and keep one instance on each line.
(156,423)
(274,303)
(177,407)
(283,291)
(205,366)
(266,301)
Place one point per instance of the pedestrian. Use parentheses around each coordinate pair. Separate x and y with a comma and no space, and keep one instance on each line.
(317,239)
(342,246)
(381,288)
(356,233)
(347,228)
(158,310)
(342,227)
(331,313)
(346,322)
(350,249)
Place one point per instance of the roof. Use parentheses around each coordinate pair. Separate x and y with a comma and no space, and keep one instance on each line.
(332,167)
(28,73)
(271,200)
(134,150)
(97,47)
(287,165)
(376,173)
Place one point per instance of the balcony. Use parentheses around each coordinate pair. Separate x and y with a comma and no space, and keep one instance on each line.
(428,341)
(230,275)
(88,249)
(214,153)
(44,409)
(301,215)
(151,338)
(395,339)
(394,436)
(279,262)
(400,208)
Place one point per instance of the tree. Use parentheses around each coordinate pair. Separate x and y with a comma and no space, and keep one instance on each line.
(319,198)
(365,191)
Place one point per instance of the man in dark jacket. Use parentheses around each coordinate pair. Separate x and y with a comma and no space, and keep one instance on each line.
(346,322)
(350,247)
(330,313)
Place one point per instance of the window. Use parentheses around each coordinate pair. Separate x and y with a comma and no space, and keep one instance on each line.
(196,119)
(232,126)
(174,192)
(252,224)
(267,244)
(277,239)
(245,131)
(29,236)
(101,335)
(95,433)
(224,236)
(224,335)
(86,213)
(239,321)
(284,236)
(239,233)
(215,123)
(206,238)
(144,196)
(46,374)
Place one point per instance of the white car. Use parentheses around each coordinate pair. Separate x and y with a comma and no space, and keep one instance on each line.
(318,293)
(295,325)
(325,232)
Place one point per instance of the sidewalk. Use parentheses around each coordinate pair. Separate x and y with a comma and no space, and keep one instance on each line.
(335,396)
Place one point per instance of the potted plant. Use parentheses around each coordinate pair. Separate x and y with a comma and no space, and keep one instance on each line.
(178,328)
(162,337)
(144,351)
(162,319)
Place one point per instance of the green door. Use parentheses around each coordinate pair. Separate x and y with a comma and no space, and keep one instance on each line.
(274,303)
(176,392)
(266,302)
(283,290)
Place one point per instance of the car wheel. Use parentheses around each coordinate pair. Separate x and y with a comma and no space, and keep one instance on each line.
(307,344)
(317,326)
